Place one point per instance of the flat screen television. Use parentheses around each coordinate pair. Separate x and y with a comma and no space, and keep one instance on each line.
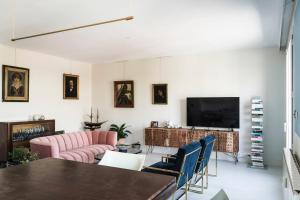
(215,112)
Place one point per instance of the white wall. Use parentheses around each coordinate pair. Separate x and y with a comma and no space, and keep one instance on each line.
(246,73)
(296,144)
(46,89)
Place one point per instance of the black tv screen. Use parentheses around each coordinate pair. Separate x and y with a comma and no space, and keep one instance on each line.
(218,112)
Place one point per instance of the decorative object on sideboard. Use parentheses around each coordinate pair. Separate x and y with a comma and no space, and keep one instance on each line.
(122,132)
(21,155)
(38,117)
(15,84)
(71,86)
(124,94)
(93,125)
(166,124)
(154,124)
(160,93)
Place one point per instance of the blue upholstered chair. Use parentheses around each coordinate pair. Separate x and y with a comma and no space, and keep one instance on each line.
(182,167)
(201,170)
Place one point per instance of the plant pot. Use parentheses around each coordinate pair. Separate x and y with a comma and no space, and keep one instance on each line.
(122,141)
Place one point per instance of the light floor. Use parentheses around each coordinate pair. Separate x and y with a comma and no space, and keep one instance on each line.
(238,181)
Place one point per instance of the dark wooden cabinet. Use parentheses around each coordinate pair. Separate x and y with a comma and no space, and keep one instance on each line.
(18,134)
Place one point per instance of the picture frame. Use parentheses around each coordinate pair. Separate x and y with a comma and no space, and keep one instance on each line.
(15,84)
(124,94)
(154,124)
(70,86)
(160,94)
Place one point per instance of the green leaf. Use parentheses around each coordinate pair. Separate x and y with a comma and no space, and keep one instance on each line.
(121,130)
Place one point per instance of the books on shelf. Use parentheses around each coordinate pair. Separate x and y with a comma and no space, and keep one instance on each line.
(260,139)
(259,127)
(258,119)
(257,112)
(257,139)
(256,100)
(257,145)
(257,106)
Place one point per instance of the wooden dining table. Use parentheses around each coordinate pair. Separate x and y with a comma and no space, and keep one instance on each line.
(56,179)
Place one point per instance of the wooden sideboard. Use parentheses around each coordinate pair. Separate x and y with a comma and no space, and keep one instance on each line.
(18,134)
(226,141)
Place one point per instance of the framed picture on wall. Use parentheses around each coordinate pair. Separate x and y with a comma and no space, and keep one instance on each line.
(160,93)
(124,94)
(71,86)
(15,84)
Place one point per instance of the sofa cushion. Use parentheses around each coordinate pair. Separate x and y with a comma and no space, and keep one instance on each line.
(78,146)
(85,154)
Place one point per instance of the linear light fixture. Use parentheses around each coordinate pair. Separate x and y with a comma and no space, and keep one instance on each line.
(74,28)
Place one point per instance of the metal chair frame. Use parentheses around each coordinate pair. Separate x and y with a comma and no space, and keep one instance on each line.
(180,173)
(203,172)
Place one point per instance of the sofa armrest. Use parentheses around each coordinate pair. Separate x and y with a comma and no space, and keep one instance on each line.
(112,138)
(44,150)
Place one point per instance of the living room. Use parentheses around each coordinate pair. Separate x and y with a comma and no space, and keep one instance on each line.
(87,68)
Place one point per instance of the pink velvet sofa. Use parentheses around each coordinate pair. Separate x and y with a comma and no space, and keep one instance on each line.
(78,146)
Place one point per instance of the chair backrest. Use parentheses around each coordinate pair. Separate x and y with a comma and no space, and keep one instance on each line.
(187,157)
(221,195)
(123,160)
(207,144)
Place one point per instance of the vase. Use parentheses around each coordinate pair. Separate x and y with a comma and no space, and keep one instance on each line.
(122,141)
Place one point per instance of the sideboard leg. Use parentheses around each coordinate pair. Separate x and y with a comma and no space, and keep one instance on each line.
(152,148)
(148,149)
(236,159)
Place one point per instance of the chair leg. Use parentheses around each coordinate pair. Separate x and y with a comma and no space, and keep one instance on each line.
(206,176)
(186,187)
(216,166)
(202,173)
(195,182)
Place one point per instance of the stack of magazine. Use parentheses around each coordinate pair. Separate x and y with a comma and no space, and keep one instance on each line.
(257,139)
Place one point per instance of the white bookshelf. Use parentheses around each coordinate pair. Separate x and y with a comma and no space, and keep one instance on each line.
(257,138)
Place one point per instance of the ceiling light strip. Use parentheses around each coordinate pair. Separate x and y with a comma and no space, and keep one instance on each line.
(74,28)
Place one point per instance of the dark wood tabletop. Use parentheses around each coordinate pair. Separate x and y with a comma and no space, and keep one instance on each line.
(56,179)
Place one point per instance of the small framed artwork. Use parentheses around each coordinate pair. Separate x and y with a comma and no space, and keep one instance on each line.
(71,86)
(160,93)
(15,84)
(124,94)
(154,124)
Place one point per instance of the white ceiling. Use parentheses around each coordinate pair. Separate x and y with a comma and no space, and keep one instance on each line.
(160,27)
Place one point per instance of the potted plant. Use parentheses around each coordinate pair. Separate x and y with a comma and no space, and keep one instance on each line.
(122,132)
(21,155)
